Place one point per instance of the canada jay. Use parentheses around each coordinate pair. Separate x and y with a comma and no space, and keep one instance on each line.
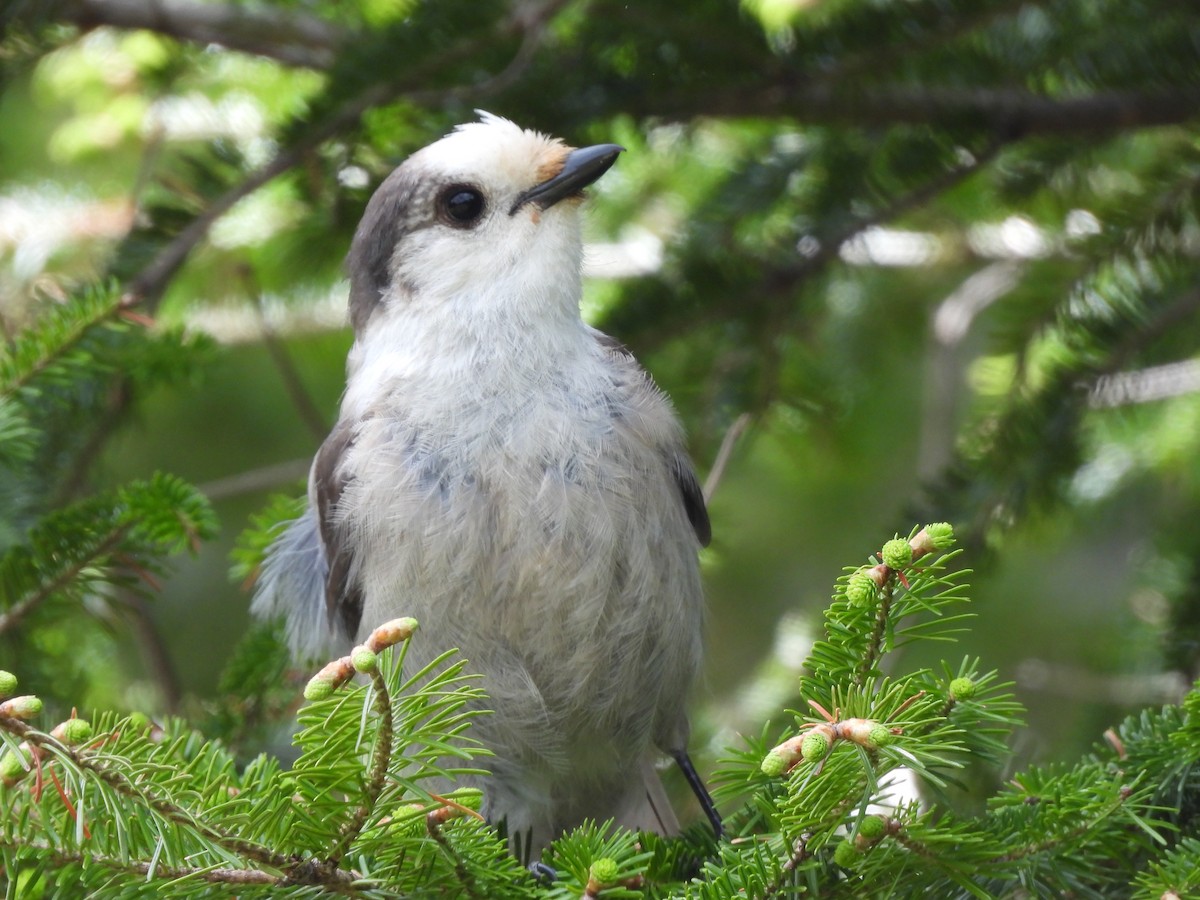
(511,478)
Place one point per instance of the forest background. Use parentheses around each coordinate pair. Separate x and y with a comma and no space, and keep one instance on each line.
(895,262)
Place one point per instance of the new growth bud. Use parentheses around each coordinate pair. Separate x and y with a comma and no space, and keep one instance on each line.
(8,684)
(72,732)
(24,707)
(815,745)
(604,871)
(391,633)
(937,536)
(364,659)
(962,688)
(872,827)
(329,679)
(846,855)
(897,554)
(14,766)
(861,590)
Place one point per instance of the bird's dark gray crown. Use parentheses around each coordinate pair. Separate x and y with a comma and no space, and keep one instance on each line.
(402,204)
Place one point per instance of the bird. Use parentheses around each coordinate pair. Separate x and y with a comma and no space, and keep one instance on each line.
(513,479)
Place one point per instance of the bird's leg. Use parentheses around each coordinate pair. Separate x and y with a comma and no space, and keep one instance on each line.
(702,795)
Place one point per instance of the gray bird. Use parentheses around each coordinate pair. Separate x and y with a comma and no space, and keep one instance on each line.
(511,478)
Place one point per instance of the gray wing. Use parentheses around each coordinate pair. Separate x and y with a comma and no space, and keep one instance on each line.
(693,497)
(327,482)
(684,475)
(306,577)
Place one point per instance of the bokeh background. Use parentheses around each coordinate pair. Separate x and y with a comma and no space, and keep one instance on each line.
(904,261)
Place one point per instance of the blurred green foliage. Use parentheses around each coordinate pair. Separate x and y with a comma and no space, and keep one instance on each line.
(943,253)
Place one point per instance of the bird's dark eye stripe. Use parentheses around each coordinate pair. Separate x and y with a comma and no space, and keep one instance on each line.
(461,205)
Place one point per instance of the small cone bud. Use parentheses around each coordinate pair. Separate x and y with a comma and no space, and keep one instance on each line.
(8,684)
(962,688)
(846,855)
(24,707)
(815,745)
(942,535)
(329,679)
(604,871)
(872,827)
(390,633)
(12,768)
(866,733)
(471,798)
(897,554)
(880,735)
(776,763)
(364,659)
(319,687)
(937,536)
(861,590)
(72,731)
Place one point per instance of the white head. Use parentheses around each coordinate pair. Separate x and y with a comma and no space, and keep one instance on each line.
(487,212)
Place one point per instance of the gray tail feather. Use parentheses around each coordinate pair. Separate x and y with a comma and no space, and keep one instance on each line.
(646,807)
(291,587)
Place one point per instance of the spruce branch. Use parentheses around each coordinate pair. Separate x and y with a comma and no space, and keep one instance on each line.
(879,631)
(381,759)
(42,351)
(799,855)
(59,857)
(147,797)
(11,617)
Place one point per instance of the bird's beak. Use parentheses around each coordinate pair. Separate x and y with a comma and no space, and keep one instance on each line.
(581,168)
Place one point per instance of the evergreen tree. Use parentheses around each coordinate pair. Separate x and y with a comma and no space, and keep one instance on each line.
(968,227)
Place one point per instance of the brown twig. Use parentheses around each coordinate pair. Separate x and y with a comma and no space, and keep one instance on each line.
(376,779)
(732,435)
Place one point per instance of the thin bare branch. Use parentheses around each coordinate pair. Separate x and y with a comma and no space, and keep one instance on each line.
(717,472)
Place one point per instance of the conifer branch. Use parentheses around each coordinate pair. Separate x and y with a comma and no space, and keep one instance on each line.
(47,589)
(77,321)
(799,854)
(293,869)
(381,759)
(465,878)
(878,631)
(170,811)
(59,857)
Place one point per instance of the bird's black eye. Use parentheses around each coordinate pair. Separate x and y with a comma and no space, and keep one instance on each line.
(461,205)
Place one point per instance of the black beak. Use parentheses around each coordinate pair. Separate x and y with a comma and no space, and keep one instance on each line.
(582,167)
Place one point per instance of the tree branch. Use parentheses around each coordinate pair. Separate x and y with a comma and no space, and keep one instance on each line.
(291,37)
(1009,113)
(149,284)
(47,589)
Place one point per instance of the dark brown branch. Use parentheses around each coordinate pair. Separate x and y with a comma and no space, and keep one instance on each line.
(1008,113)
(291,37)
